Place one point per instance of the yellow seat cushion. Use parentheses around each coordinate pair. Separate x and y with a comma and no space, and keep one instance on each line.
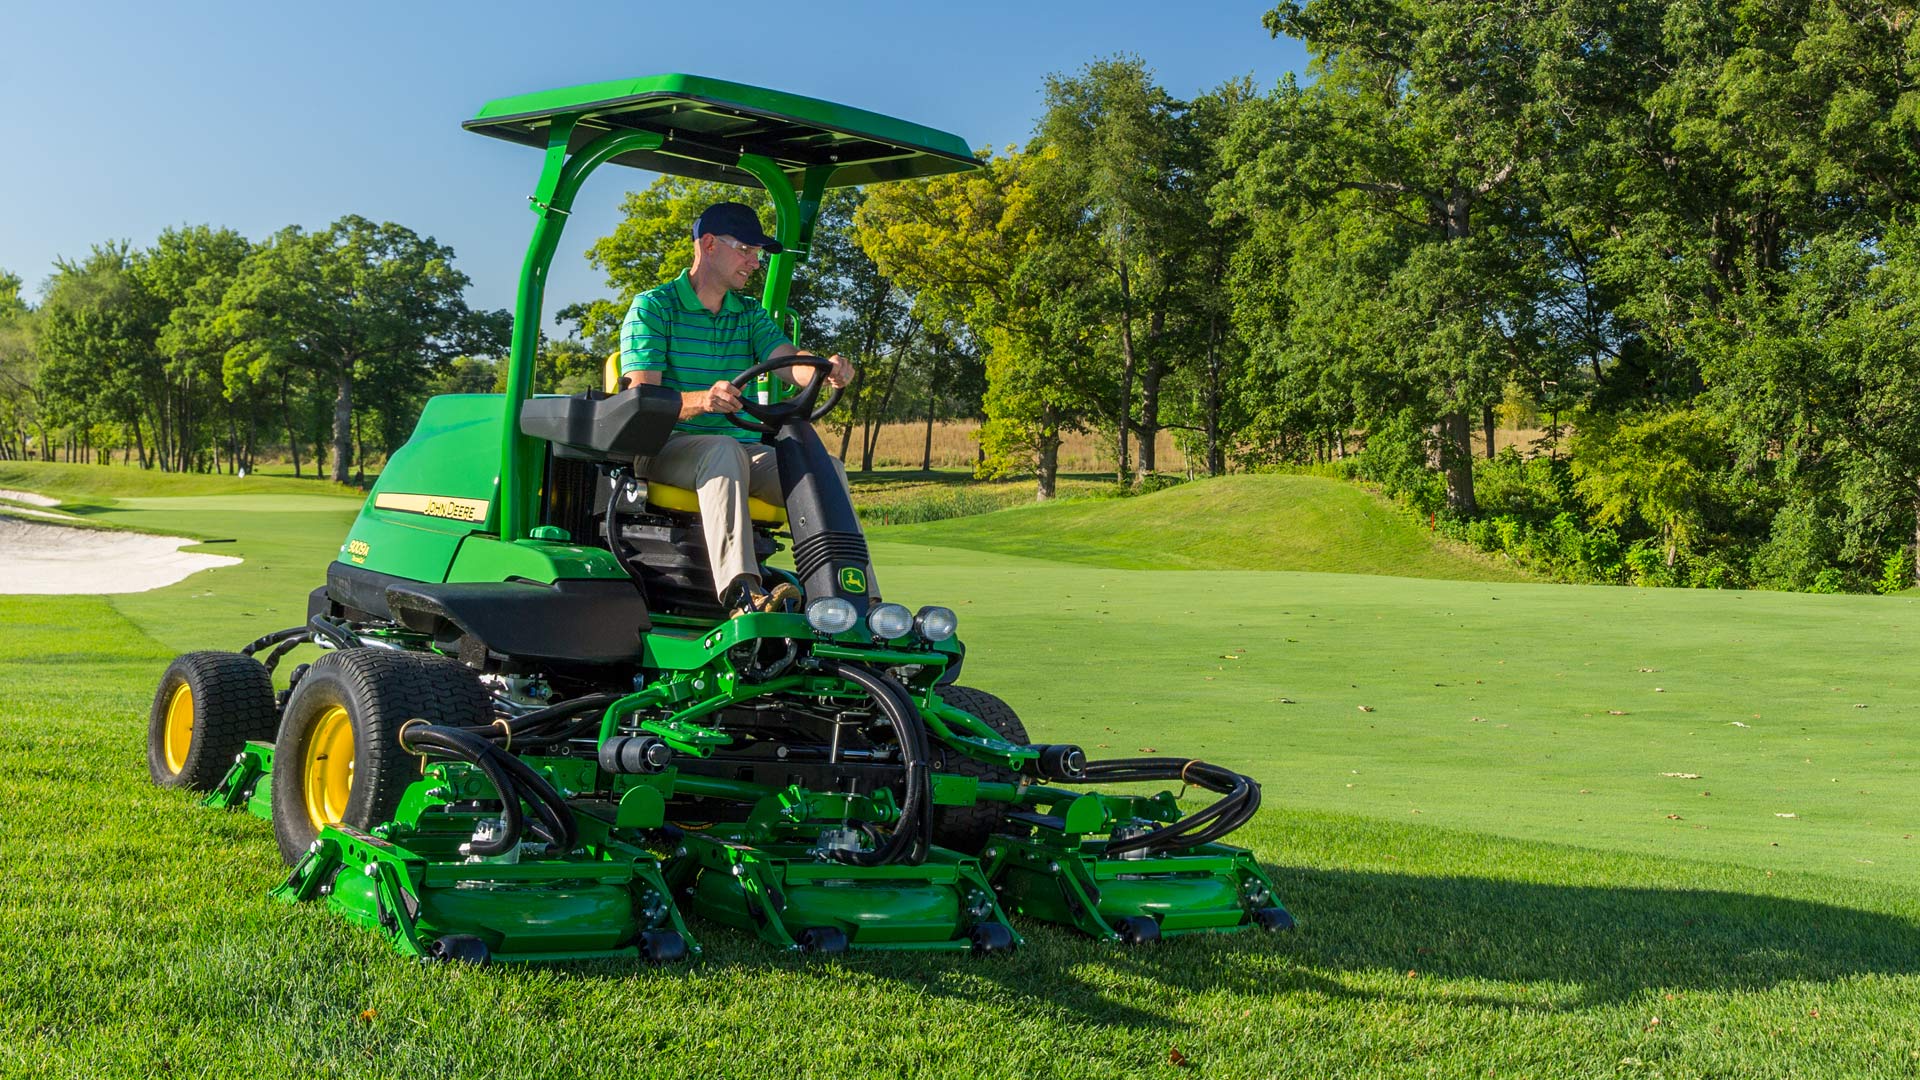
(668,497)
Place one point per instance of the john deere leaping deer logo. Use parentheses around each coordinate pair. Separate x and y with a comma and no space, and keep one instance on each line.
(853,579)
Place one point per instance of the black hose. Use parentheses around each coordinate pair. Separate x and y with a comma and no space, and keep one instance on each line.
(615,542)
(463,745)
(265,640)
(334,632)
(513,779)
(1240,799)
(910,840)
(300,637)
(556,817)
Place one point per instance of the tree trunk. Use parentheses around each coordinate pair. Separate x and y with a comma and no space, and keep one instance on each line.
(1126,370)
(1149,418)
(926,448)
(1456,461)
(871,436)
(1486,423)
(343,422)
(852,410)
(1049,466)
(293,440)
(1215,460)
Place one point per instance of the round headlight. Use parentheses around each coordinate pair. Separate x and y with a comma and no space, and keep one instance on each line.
(888,621)
(936,623)
(832,615)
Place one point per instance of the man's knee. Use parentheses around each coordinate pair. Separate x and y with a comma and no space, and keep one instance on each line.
(717,455)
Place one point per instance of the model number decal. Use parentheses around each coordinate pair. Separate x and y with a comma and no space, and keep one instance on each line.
(357,550)
(440,506)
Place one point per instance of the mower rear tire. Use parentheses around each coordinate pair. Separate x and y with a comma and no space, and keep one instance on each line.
(966,828)
(352,704)
(208,705)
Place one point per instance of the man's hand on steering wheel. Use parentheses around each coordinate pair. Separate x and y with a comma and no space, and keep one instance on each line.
(721,397)
(842,372)
(767,418)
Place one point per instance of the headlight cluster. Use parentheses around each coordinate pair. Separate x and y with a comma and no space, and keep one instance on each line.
(835,615)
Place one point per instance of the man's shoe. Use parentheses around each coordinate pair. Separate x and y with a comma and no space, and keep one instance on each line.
(752,598)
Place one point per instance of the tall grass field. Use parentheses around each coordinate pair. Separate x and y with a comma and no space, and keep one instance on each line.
(1527,829)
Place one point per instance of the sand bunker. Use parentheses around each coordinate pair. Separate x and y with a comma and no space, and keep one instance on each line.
(36,558)
(28,497)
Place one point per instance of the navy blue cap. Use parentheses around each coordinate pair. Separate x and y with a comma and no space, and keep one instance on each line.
(738,221)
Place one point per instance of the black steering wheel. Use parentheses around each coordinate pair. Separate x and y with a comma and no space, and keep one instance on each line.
(769,418)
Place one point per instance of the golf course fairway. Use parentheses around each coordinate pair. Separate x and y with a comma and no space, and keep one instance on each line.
(1526,828)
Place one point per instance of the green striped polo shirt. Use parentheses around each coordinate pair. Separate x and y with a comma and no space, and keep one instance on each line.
(668,330)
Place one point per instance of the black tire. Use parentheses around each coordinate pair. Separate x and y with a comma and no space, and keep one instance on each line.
(229,700)
(380,690)
(966,828)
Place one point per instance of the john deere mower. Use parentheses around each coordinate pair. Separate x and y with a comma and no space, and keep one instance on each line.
(530,732)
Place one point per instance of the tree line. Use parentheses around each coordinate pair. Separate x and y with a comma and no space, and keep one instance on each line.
(198,352)
(1677,239)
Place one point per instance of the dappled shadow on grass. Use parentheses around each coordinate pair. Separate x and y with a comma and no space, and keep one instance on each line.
(1468,942)
(1602,943)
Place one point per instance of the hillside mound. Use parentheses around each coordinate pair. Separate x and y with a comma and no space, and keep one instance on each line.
(1307,523)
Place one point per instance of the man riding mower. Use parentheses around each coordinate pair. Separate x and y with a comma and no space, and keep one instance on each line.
(536,732)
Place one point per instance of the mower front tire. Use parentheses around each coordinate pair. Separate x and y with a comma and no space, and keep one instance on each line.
(338,757)
(208,705)
(966,828)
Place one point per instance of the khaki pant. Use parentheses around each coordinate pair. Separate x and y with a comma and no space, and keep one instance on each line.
(723,472)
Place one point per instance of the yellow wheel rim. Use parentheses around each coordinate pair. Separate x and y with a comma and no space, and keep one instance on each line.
(179,730)
(329,767)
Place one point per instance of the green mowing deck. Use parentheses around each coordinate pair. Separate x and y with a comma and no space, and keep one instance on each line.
(1533,918)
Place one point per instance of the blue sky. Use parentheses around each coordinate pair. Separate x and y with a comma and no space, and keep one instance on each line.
(126,118)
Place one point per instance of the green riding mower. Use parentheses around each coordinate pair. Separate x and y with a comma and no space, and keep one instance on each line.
(531,733)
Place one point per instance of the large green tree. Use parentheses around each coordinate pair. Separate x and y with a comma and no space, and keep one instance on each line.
(1123,162)
(357,303)
(1431,118)
(981,250)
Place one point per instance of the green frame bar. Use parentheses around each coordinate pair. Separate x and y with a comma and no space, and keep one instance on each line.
(561,177)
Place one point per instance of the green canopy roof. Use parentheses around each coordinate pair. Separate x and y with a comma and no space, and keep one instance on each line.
(708,124)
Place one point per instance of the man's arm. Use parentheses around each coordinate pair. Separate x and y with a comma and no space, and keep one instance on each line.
(841,374)
(721,397)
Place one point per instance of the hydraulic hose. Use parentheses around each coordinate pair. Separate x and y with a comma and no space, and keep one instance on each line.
(462,745)
(911,837)
(1240,798)
(512,779)
(334,632)
(265,640)
(549,725)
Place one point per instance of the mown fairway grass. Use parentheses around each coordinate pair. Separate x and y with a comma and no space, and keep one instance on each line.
(1506,894)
